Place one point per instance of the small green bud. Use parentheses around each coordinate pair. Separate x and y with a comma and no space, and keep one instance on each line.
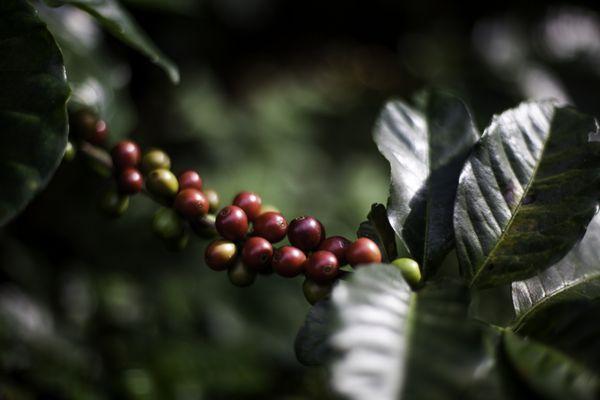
(410,270)
(155,159)
(240,275)
(162,183)
(314,291)
(113,204)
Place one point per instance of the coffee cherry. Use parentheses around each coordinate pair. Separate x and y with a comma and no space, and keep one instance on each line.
(113,204)
(363,251)
(314,291)
(177,243)
(130,181)
(204,226)
(85,125)
(232,223)
(257,253)
(269,208)
(306,233)
(155,159)
(322,266)
(271,226)
(250,203)
(338,245)
(190,180)
(191,204)
(213,200)
(241,275)
(410,270)
(162,183)
(166,224)
(99,134)
(220,254)
(288,261)
(70,152)
(126,154)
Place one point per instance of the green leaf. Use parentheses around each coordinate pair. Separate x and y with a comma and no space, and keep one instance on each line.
(426,148)
(33,96)
(549,372)
(312,341)
(526,193)
(119,22)
(560,306)
(377,228)
(393,343)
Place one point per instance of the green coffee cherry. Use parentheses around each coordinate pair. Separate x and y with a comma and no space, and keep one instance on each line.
(410,270)
(167,225)
(155,159)
(113,204)
(162,183)
(177,243)
(240,275)
(69,152)
(205,226)
(213,200)
(314,291)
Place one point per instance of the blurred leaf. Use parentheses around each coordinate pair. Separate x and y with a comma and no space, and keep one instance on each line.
(397,344)
(312,342)
(377,228)
(119,22)
(426,149)
(548,372)
(526,193)
(33,96)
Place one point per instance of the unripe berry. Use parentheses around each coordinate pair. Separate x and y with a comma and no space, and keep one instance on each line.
(162,183)
(314,291)
(288,261)
(191,204)
(177,243)
(338,245)
(232,223)
(130,181)
(125,154)
(363,251)
(250,203)
(155,159)
(220,254)
(241,275)
(271,226)
(269,208)
(204,226)
(306,233)
(113,204)
(70,152)
(166,224)
(213,200)
(190,180)
(322,266)
(257,253)
(410,270)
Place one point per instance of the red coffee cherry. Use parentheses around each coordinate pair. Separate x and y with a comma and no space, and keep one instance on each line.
(130,181)
(322,266)
(190,180)
(306,233)
(250,203)
(126,154)
(257,253)
(232,223)
(271,226)
(288,261)
(220,254)
(99,134)
(363,251)
(338,245)
(191,204)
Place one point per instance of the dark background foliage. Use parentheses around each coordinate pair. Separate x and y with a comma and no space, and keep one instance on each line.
(277,97)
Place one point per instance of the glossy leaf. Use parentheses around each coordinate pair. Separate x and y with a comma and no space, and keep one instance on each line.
(548,372)
(560,306)
(393,343)
(33,95)
(526,193)
(119,22)
(426,148)
(377,228)
(312,342)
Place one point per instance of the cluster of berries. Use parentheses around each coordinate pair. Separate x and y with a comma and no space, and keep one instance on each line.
(246,252)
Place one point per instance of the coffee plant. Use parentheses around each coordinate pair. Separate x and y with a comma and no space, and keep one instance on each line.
(478,280)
